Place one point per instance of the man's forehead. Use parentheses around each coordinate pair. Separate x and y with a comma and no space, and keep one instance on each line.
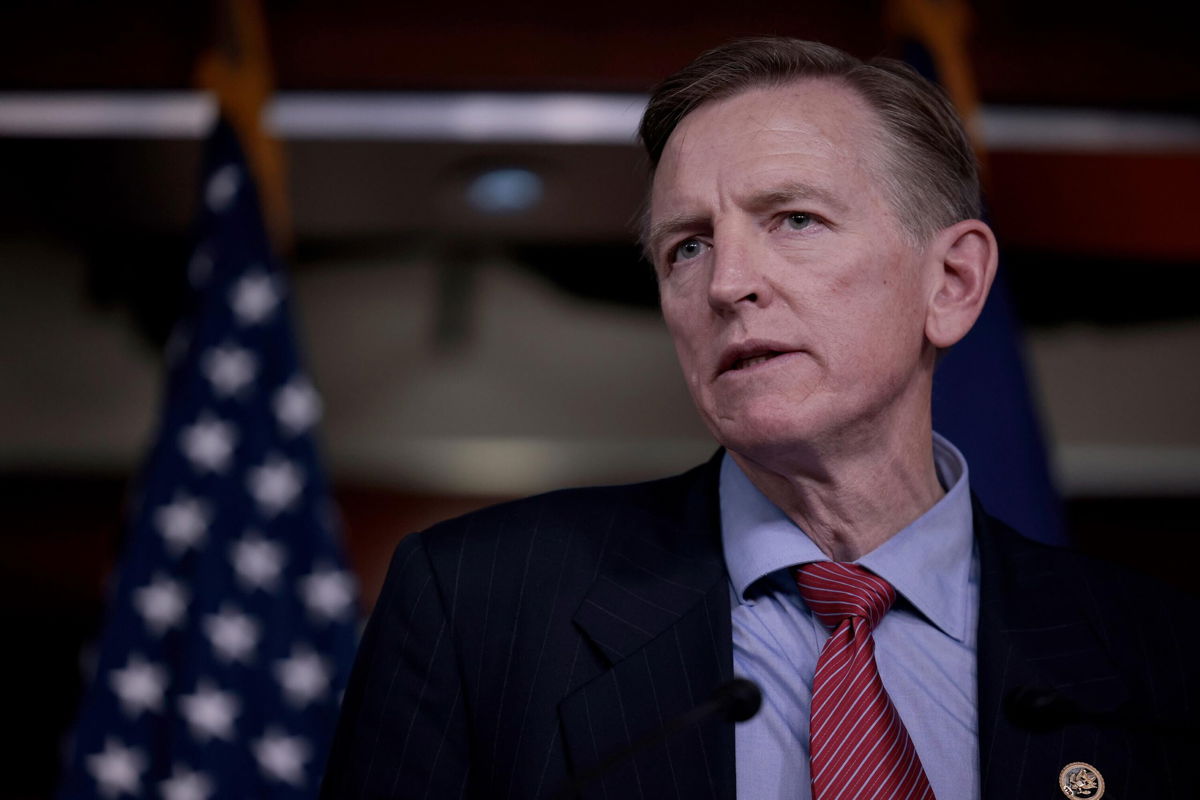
(815,122)
(830,104)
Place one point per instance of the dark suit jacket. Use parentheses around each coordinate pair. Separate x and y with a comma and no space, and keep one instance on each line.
(518,645)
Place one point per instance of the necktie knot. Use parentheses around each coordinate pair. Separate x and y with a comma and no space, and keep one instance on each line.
(836,591)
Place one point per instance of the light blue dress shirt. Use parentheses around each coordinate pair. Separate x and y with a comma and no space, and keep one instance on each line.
(925,646)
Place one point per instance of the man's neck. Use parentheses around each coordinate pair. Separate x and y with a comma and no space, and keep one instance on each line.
(850,502)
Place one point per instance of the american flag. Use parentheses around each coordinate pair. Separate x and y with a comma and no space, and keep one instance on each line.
(232,623)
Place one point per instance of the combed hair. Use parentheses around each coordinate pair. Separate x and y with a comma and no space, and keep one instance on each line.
(929,169)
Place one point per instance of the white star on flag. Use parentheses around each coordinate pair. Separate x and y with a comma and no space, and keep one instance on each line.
(275,484)
(229,369)
(257,561)
(222,187)
(328,593)
(118,769)
(186,785)
(304,676)
(282,757)
(208,443)
(233,634)
(254,297)
(297,406)
(210,712)
(182,523)
(139,685)
(161,603)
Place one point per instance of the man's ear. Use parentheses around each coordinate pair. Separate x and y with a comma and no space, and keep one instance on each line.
(963,259)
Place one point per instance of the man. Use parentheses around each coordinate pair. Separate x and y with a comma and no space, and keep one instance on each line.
(813,222)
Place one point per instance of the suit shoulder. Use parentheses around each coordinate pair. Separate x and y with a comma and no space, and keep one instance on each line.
(586,515)
(1105,578)
(1126,607)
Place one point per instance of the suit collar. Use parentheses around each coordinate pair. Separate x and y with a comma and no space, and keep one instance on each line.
(659,613)
(669,558)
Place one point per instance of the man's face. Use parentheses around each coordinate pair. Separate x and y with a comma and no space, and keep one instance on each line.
(796,300)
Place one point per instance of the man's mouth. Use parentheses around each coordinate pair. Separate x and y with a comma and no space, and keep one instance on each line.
(749,355)
(743,363)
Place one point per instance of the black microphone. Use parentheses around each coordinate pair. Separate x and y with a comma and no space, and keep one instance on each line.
(735,700)
(1040,710)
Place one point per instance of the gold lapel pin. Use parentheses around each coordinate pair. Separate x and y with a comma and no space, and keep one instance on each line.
(1078,779)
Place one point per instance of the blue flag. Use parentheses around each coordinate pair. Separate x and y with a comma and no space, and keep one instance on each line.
(982,403)
(981,396)
(232,622)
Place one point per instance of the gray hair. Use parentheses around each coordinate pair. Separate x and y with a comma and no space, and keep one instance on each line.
(930,174)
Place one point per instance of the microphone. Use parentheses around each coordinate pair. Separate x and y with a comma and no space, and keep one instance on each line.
(735,700)
(1041,710)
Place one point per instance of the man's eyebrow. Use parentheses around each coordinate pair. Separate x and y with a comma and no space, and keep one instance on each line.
(765,199)
(792,192)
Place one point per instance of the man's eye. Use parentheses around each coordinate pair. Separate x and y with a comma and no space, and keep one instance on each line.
(799,220)
(688,249)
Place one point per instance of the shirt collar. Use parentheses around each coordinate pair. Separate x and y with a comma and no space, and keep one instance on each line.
(928,561)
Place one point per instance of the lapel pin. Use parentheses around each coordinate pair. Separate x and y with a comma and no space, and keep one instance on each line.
(1078,779)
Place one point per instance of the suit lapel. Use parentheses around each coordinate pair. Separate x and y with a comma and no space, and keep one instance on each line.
(1034,636)
(659,614)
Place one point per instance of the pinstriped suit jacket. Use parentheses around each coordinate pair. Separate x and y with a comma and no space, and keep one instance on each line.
(518,645)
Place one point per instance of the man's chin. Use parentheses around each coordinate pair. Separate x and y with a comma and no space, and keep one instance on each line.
(759,437)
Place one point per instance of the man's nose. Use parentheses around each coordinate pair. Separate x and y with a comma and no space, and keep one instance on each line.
(737,276)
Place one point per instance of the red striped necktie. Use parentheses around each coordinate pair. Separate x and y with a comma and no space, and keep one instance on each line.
(858,744)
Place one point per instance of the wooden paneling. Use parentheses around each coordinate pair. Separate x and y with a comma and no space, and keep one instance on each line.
(1116,205)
